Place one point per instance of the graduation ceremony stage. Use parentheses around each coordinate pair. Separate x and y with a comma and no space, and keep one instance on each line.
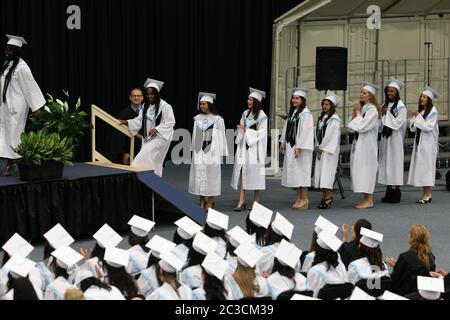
(84,199)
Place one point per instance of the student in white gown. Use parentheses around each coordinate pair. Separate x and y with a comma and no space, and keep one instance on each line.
(392,153)
(364,155)
(422,171)
(370,266)
(95,289)
(297,145)
(65,259)
(19,93)
(244,282)
(192,276)
(149,279)
(170,289)
(184,236)
(249,166)
(215,227)
(157,127)
(209,145)
(327,267)
(214,269)
(116,261)
(17,268)
(284,277)
(327,147)
(137,239)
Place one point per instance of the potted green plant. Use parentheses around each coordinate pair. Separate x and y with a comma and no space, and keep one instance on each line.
(43,155)
(60,117)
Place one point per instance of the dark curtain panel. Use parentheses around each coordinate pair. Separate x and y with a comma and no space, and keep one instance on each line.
(220,46)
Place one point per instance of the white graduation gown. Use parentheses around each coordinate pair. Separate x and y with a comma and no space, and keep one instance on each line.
(182,252)
(138,260)
(23,93)
(265,264)
(154,151)
(361,269)
(319,276)
(221,248)
(96,293)
(235,293)
(307,263)
(205,172)
(3,282)
(167,292)
(251,162)
(327,162)
(422,171)
(57,289)
(192,277)
(148,281)
(297,171)
(392,150)
(199,294)
(364,156)
(278,284)
(46,275)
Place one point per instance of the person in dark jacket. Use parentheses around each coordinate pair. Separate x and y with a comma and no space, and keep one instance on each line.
(417,261)
(349,251)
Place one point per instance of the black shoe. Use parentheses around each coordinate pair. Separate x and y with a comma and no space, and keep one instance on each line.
(325,203)
(388,195)
(240,208)
(396,196)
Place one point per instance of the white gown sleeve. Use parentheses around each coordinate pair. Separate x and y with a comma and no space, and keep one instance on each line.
(240,134)
(222,138)
(165,128)
(314,282)
(254,136)
(194,136)
(305,133)
(360,124)
(30,89)
(283,133)
(136,124)
(332,135)
(395,123)
(427,124)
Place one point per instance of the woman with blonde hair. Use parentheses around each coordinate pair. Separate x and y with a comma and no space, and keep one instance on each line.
(417,261)
(244,283)
(364,155)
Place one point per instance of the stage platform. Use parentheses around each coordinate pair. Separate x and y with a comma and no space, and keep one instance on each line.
(87,196)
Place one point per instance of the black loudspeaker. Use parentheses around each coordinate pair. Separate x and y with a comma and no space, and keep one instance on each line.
(331,68)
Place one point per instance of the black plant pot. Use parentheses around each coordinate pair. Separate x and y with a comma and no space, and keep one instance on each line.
(47,171)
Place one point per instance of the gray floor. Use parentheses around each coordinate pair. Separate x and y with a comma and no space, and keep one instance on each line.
(393,221)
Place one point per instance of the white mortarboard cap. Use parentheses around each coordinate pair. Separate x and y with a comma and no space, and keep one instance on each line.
(388,295)
(170,262)
(333,97)
(159,245)
(206,97)
(17,246)
(282,226)
(215,265)
(370,238)
(238,236)
(16,41)
(116,257)
(288,254)
(359,294)
(141,226)
(248,255)
(302,297)
(372,88)
(204,244)
(19,266)
(394,83)
(300,92)
(431,93)
(107,237)
(151,83)
(217,220)
(324,224)
(328,241)
(430,288)
(66,257)
(187,228)
(58,237)
(257,94)
(260,215)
